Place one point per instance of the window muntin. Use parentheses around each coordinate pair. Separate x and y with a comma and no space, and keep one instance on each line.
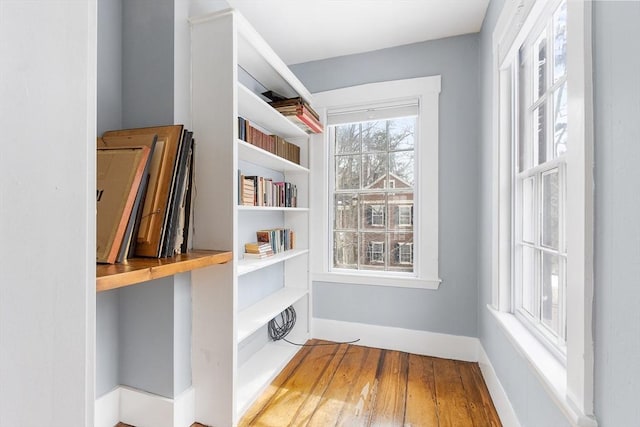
(374,184)
(539,259)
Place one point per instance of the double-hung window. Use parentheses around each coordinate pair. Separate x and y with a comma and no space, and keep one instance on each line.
(543,204)
(540,180)
(377,162)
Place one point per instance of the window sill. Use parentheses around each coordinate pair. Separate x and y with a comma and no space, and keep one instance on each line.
(548,369)
(369,279)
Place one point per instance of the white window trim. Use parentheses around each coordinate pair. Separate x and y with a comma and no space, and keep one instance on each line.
(571,387)
(427,90)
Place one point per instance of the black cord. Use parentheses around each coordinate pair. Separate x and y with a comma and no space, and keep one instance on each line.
(280,326)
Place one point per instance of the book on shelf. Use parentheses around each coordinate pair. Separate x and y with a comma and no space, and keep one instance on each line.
(280,239)
(155,208)
(299,112)
(260,191)
(163,223)
(258,248)
(176,195)
(186,211)
(273,144)
(120,173)
(257,256)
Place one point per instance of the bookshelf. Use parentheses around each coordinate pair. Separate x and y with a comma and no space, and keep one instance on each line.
(233,359)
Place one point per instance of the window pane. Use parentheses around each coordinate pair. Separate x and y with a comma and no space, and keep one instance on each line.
(373,212)
(373,195)
(540,133)
(345,250)
(347,172)
(550,211)
(348,138)
(401,133)
(550,291)
(560,41)
(401,255)
(528,210)
(560,119)
(374,136)
(540,82)
(528,280)
(525,148)
(374,170)
(373,251)
(346,211)
(401,167)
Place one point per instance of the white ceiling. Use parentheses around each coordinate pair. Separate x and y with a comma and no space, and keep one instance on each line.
(307,30)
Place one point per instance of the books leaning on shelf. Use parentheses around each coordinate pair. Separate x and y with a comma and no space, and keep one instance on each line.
(257,250)
(299,112)
(280,239)
(259,191)
(161,226)
(120,173)
(271,143)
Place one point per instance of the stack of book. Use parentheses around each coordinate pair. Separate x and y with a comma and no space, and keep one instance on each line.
(144,200)
(256,190)
(299,112)
(280,239)
(257,250)
(271,143)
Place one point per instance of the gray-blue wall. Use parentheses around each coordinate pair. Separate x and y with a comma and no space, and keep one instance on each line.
(616,67)
(616,79)
(147,62)
(143,332)
(452,309)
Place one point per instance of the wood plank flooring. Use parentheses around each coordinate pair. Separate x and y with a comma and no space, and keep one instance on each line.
(350,385)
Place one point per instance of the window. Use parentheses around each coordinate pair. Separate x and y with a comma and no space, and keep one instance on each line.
(367,155)
(376,252)
(377,215)
(405,253)
(540,146)
(405,216)
(377,162)
(542,255)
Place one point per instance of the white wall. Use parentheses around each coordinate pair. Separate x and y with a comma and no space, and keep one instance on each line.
(47,213)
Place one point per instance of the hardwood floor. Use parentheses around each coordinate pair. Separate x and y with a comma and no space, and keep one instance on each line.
(349,385)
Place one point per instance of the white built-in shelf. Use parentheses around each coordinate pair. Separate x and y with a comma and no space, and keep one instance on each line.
(252,154)
(251,264)
(257,373)
(271,208)
(258,112)
(259,314)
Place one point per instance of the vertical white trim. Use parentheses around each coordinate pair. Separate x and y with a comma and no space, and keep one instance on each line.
(580,207)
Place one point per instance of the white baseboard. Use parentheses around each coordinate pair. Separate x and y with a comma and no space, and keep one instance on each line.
(107,409)
(142,409)
(407,340)
(498,395)
(184,409)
